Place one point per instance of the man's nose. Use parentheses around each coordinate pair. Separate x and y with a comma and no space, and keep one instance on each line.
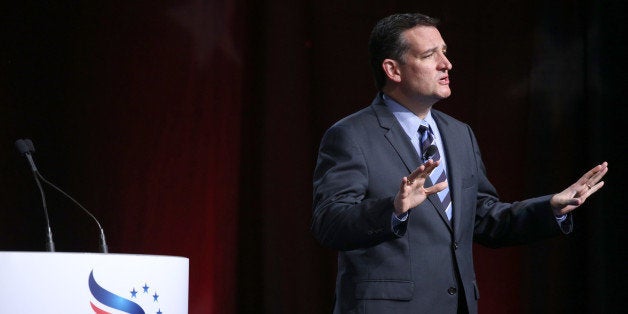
(445,64)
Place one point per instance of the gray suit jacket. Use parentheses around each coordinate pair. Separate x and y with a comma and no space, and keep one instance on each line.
(422,266)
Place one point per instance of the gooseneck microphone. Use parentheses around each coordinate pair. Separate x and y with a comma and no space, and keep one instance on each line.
(430,152)
(26,148)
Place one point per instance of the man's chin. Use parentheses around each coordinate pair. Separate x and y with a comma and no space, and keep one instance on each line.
(446,93)
(443,95)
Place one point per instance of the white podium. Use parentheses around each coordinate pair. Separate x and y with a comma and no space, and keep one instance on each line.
(45,282)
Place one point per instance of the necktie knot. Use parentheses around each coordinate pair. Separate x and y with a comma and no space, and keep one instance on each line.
(423,129)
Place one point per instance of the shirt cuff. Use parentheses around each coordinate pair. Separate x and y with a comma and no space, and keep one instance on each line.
(395,220)
(559,219)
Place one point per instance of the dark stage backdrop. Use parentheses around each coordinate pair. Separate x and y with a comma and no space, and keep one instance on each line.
(191,128)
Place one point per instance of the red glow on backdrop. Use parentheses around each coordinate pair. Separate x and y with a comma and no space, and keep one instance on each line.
(169,119)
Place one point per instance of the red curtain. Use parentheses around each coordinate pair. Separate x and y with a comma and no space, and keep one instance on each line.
(165,108)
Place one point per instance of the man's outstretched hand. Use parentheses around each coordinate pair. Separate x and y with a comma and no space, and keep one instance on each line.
(412,190)
(575,195)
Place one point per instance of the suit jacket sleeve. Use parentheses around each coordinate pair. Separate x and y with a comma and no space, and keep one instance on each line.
(343,219)
(503,224)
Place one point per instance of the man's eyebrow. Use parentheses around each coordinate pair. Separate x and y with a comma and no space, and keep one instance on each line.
(444,47)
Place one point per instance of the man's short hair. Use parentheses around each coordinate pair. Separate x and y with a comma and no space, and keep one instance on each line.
(386,42)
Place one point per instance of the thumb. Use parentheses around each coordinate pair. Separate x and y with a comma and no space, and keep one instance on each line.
(572,201)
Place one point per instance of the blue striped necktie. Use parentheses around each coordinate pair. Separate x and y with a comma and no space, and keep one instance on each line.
(438,175)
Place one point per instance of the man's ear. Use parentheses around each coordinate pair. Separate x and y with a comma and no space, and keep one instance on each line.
(391,68)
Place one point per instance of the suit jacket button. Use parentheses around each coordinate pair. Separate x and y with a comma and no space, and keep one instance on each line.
(452,290)
(455,245)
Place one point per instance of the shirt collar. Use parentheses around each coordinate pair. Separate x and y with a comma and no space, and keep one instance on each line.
(408,120)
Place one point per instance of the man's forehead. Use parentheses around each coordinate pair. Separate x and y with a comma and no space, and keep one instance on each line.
(424,37)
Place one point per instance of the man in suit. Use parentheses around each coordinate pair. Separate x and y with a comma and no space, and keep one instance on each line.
(401,191)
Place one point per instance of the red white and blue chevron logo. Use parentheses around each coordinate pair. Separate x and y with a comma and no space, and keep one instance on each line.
(139,299)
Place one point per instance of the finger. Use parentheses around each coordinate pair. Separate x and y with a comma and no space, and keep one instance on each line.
(588,175)
(423,170)
(581,190)
(572,202)
(598,176)
(415,174)
(406,185)
(594,189)
(594,180)
(404,182)
(597,170)
(436,187)
(430,165)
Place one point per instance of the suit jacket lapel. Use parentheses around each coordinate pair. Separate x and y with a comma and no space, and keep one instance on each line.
(396,135)
(450,138)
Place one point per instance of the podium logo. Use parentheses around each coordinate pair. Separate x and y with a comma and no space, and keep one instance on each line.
(120,303)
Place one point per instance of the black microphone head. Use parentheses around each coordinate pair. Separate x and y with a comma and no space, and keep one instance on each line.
(430,152)
(22,146)
(29,143)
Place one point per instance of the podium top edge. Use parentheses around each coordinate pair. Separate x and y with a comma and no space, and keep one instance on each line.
(87,254)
